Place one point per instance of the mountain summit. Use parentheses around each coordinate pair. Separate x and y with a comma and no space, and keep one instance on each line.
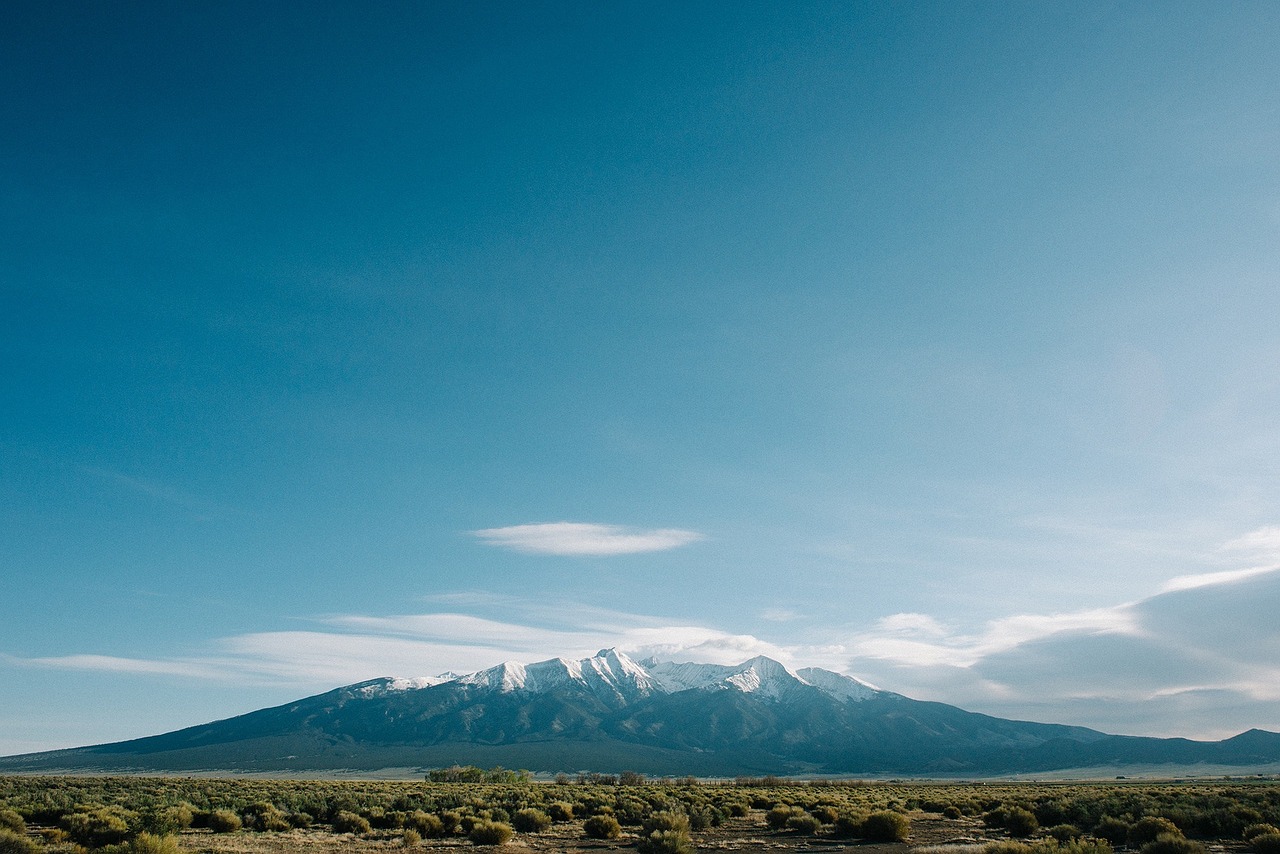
(610,713)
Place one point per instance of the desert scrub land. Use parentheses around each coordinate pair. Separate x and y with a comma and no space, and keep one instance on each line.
(169,815)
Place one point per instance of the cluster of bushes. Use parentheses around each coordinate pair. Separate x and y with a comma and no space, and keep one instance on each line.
(141,813)
(878,826)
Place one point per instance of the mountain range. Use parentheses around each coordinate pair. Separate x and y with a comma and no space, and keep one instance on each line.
(610,713)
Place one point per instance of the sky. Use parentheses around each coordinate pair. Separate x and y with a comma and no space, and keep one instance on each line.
(931,343)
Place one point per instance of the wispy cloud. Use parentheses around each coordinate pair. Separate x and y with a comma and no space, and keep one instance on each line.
(583,538)
(1210,579)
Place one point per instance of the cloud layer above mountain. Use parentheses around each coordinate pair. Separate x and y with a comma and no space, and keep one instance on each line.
(1200,657)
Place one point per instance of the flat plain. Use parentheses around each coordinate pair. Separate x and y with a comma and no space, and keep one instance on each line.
(163,815)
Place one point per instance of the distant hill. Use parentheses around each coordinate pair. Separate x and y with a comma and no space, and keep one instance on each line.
(609,713)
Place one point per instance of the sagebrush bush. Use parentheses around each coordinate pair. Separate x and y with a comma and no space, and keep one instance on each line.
(778,817)
(150,843)
(1064,832)
(825,813)
(16,843)
(805,824)
(1172,843)
(224,821)
(665,832)
(1006,846)
(530,820)
(886,826)
(1149,829)
(349,822)
(1265,843)
(952,811)
(1258,830)
(602,827)
(1084,846)
(849,826)
(1020,822)
(12,820)
(410,838)
(487,832)
(101,827)
(424,823)
(1114,830)
(560,811)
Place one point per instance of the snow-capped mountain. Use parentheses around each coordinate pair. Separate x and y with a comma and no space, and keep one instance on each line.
(613,675)
(609,713)
(608,674)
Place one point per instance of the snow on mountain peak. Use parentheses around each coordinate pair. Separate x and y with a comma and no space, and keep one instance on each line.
(614,677)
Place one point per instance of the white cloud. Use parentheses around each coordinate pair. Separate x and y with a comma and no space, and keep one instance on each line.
(1264,541)
(779,615)
(1200,658)
(1209,579)
(584,539)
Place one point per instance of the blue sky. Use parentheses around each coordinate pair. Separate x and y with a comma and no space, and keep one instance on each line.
(934,343)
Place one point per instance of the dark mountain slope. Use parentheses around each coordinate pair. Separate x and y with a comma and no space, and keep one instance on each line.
(756,718)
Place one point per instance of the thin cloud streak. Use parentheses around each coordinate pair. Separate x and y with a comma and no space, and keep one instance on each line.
(585,539)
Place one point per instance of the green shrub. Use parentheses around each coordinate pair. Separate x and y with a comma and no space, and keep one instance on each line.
(1148,829)
(560,811)
(410,838)
(1005,846)
(778,817)
(1084,846)
(349,822)
(486,832)
(825,814)
(1020,822)
(424,823)
(103,826)
(1172,843)
(849,826)
(886,826)
(530,820)
(1064,832)
(12,820)
(602,827)
(1265,843)
(1258,830)
(15,843)
(452,820)
(805,824)
(150,843)
(952,811)
(665,832)
(1114,830)
(224,821)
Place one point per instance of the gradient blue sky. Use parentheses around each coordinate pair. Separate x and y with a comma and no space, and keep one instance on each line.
(935,343)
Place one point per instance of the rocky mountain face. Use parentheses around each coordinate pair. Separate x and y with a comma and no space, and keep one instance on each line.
(610,713)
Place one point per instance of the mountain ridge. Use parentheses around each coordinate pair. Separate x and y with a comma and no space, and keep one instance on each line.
(610,713)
